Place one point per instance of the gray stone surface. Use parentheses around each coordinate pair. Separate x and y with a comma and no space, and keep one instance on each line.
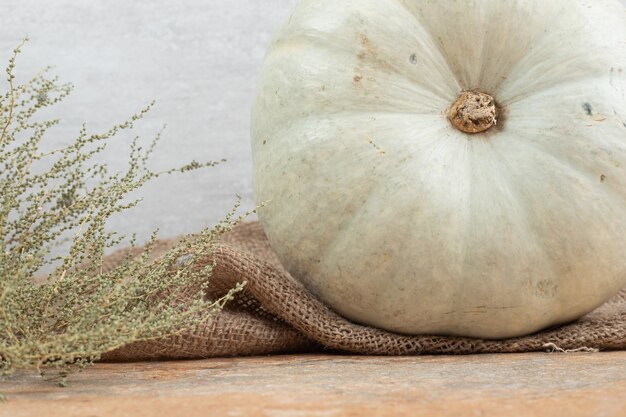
(198,58)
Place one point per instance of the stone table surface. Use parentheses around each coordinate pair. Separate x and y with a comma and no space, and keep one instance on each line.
(577,384)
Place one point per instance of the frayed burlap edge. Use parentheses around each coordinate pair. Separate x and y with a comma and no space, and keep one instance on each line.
(275,314)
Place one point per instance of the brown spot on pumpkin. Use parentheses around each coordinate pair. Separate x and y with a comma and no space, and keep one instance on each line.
(546,289)
(602,178)
(378,148)
(264,141)
(413,59)
(588,109)
(369,50)
(357,80)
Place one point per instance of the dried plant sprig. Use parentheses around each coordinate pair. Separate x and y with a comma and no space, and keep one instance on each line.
(84,308)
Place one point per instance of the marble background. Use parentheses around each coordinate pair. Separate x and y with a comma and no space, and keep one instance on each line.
(197,58)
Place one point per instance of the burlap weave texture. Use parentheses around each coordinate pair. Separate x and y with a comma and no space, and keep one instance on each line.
(275,314)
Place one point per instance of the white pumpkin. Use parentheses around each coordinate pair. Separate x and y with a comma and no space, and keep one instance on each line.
(387,210)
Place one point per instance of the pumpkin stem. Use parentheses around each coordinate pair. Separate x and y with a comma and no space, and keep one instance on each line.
(474,112)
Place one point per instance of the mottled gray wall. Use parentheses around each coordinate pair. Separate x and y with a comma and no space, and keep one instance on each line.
(197,58)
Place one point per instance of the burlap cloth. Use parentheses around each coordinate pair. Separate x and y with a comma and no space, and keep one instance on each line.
(275,314)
